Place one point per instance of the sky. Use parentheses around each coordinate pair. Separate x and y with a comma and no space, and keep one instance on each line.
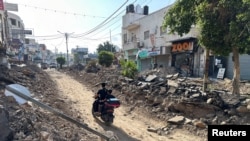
(88,23)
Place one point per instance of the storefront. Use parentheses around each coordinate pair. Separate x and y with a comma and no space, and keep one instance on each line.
(215,63)
(143,60)
(131,54)
(244,66)
(151,58)
(183,54)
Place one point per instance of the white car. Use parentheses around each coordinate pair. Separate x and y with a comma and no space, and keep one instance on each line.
(53,65)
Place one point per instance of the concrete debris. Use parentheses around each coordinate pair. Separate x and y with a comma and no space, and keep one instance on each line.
(166,96)
(159,93)
(30,122)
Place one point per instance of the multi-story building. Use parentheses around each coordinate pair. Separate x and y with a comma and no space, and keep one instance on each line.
(150,45)
(145,41)
(80,54)
(15,35)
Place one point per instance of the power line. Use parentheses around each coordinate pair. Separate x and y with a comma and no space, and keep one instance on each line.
(50,38)
(105,24)
(111,24)
(101,24)
(111,30)
(44,36)
(63,12)
(94,29)
(80,35)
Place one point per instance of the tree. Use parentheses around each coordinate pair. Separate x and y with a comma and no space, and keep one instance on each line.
(105,58)
(223,24)
(61,61)
(129,68)
(106,46)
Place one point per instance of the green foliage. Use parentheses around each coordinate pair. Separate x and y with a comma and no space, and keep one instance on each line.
(129,68)
(61,61)
(105,58)
(92,66)
(180,17)
(106,46)
(223,24)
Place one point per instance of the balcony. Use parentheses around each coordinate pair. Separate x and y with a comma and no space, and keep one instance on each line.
(132,25)
(131,21)
(130,45)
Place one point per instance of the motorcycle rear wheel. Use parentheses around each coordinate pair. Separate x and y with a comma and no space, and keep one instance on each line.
(108,119)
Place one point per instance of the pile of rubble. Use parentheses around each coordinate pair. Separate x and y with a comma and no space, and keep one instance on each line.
(160,93)
(167,97)
(28,121)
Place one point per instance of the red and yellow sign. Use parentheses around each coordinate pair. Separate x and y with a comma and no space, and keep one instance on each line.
(182,47)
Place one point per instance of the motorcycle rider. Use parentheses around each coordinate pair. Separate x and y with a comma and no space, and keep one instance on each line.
(109,95)
(100,96)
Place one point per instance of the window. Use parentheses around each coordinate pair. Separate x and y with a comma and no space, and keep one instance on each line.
(133,38)
(19,24)
(125,38)
(13,21)
(146,34)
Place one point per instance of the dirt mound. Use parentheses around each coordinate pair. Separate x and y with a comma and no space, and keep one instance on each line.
(30,122)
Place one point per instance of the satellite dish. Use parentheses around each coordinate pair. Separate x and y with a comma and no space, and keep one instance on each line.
(19,88)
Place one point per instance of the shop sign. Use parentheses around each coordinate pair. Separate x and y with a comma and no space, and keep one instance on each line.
(182,47)
(143,54)
(221,73)
(154,51)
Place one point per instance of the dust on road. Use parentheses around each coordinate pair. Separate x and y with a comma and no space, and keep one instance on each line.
(127,126)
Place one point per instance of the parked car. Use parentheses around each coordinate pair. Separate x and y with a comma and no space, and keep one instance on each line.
(53,65)
(44,65)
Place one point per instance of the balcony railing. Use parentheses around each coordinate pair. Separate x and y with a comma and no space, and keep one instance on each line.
(130,45)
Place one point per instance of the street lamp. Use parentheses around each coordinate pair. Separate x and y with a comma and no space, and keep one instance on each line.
(66,37)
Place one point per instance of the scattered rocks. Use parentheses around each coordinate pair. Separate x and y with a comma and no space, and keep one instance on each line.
(178,101)
(28,121)
(181,103)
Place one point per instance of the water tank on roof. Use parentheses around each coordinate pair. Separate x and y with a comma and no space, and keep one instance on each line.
(126,9)
(131,8)
(138,9)
(145,10)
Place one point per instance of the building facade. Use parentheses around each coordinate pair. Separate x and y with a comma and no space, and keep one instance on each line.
(145,42)
(149,45)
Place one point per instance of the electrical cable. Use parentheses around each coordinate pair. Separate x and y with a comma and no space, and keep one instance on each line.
(98,26)
(106,28)
(64,12)
(80,35)
(46,36)
(50,38)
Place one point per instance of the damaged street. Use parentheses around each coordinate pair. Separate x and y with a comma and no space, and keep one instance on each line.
(156,106)
(174,70)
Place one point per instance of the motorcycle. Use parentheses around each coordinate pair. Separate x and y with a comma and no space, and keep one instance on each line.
(107,110)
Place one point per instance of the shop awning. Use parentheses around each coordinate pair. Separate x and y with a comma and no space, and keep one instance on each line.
(181,39)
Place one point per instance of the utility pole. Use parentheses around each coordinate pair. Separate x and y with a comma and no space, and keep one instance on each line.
(66,37)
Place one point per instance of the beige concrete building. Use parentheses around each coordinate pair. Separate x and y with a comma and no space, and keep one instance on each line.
(148,44)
